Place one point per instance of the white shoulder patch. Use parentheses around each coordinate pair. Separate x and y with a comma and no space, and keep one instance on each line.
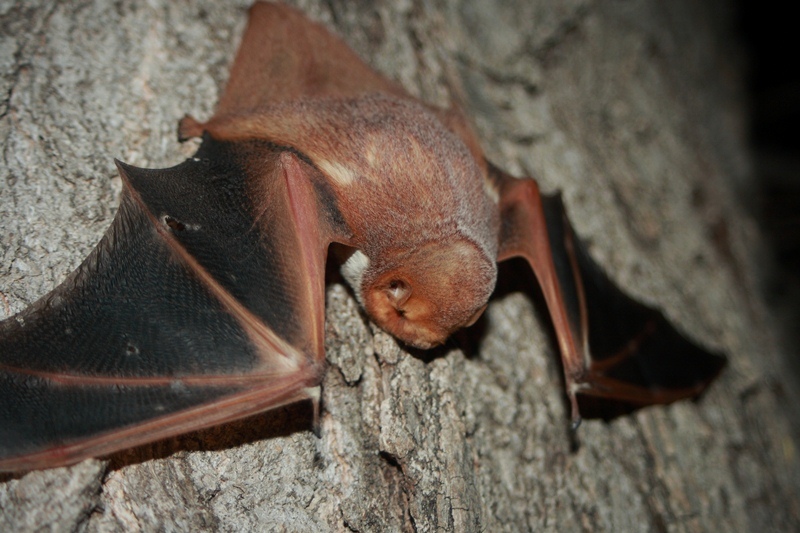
(353,271)
(339,173)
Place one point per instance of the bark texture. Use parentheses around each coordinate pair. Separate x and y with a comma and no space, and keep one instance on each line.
(633,109)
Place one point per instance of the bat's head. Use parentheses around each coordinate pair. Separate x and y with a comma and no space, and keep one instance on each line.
(424,295)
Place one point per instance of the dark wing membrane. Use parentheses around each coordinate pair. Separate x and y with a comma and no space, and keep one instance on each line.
(618,354)
(637,357)
(192,310)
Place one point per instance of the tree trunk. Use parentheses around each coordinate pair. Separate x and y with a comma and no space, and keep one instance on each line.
(633,109)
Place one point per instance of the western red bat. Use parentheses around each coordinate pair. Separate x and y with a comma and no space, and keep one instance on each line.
(204,301)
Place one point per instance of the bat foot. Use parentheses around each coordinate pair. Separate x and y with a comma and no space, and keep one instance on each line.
(574,437)
(316,427)
(315,395)
(575,410)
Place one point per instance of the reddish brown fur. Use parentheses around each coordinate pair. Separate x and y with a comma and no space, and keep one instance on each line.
(407,176)
(404,184)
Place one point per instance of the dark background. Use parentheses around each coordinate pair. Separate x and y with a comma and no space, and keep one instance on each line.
(773,45)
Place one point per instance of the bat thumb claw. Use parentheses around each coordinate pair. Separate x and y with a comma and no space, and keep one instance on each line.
(188,128)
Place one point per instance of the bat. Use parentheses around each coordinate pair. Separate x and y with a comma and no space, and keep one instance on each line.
(204,301)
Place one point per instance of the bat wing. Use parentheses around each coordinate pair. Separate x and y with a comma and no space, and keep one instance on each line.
(618,354)
(203,303)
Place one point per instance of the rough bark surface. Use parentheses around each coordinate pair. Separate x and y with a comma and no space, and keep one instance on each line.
(633,109)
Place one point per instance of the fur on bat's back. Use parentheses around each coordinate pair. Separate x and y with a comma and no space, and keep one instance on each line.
(394,166)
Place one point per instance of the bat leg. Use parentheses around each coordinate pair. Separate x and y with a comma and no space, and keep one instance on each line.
(618,354)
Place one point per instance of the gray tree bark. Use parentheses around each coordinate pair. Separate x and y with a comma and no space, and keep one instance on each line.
(633,109)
